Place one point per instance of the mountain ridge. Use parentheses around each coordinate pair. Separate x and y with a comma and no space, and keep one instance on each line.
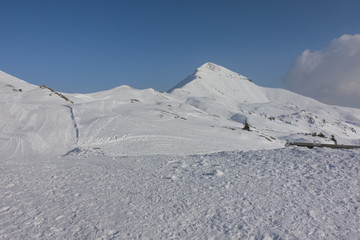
(204,115)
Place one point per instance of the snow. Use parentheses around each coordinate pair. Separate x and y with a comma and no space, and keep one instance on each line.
(33,122)
(127,163)
(9,83)
(216,82)
(203,114)
(284,193)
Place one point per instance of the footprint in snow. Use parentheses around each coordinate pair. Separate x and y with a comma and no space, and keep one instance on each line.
(215,172)
(171,178)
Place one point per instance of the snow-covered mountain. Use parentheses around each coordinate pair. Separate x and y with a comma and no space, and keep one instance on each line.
(218,83)
(87,166)
(204,113)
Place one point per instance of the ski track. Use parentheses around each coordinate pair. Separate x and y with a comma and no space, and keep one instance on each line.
(74,122)
(286,193)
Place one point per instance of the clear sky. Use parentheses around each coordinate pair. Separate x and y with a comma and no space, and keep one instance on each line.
(87,46)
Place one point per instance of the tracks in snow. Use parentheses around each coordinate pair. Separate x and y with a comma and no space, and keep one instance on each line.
(74,122)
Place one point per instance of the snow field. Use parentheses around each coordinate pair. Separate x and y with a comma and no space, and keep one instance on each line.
(139,164)
(286,193)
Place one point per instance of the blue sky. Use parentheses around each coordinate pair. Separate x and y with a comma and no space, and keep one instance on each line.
(88,46)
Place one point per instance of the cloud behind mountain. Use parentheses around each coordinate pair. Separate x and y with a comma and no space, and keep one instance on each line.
(330,75)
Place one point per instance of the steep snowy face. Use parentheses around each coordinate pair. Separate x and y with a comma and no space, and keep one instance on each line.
(216,82)
(33,119)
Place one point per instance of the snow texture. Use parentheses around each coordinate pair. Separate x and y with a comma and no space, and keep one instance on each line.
(286,193)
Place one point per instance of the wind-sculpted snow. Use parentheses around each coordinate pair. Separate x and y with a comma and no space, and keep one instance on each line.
(33,121)
(287,193)
(31,130)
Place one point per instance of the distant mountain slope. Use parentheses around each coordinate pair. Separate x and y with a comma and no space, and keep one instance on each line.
(274,112)
(9,83)
(204,113)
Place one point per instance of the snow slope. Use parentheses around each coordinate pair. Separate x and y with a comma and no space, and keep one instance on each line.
(204,113)
(218,83)
(274,113)
(139,164)
(33,120)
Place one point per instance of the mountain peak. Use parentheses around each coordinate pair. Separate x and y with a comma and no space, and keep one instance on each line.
(210,66)
(213,81)
(207,73)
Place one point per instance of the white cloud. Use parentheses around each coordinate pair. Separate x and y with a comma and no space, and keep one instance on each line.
(330,75)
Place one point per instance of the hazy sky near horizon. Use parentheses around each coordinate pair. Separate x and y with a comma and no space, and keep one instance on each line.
(88,46)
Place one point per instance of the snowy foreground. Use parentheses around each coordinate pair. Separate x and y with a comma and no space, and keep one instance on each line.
(289,193)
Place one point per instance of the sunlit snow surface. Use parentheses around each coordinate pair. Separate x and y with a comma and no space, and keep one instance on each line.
(140,164)
(204,114)
(287,193)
